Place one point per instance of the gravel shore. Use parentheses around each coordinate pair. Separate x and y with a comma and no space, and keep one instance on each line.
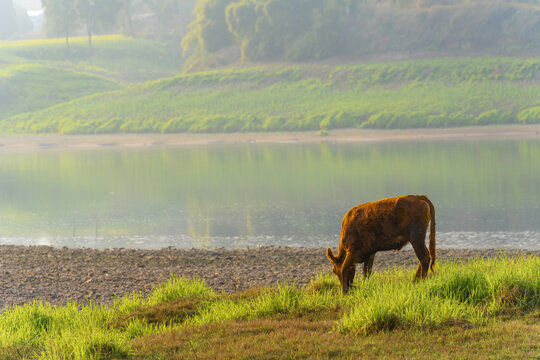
(57,275)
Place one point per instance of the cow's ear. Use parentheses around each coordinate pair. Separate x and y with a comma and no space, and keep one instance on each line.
(330,256)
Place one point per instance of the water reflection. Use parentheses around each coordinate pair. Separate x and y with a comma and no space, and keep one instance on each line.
(249,195)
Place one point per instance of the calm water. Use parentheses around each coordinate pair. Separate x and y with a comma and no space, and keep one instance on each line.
(486,193)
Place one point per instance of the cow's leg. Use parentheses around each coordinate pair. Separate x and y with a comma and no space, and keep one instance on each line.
(352,273)
(348,272)
(368,264)
(418,238)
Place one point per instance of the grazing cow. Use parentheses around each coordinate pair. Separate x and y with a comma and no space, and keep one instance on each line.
(387,224)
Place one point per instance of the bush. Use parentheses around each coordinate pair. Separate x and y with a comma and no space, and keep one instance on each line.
(111,126)
(529,116)
(493,117)
(274,123)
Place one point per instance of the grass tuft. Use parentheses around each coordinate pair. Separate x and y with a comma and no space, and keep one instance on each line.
(470,287)
(322,283)
(179,288)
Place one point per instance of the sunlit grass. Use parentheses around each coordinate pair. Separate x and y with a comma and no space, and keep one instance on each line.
(470,294)
(117,57)
(86,331)
(56,41)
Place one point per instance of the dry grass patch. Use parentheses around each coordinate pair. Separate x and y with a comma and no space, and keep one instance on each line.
(304,338)
(18,352)
(248,294)
(285,337)
(170,312)
(177,311)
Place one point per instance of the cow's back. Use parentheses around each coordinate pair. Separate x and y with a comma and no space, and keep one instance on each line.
(383,224)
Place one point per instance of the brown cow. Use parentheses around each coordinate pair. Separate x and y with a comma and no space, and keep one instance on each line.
(387,224)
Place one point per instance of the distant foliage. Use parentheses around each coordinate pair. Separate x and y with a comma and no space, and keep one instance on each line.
(209,29)
(318,29)
(97,14)
(61,18)
(529,116)
(165,19)
(293,30)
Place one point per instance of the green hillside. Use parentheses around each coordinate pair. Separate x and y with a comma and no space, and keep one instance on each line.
(37,74)
(113,56)
(27,87)
(420,93)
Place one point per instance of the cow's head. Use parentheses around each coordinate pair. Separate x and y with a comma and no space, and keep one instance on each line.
(336,264)
(337,268)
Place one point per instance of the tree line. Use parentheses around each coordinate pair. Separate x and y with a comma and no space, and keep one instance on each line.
(163,19)
(302,30)
(158,18)
(299,30)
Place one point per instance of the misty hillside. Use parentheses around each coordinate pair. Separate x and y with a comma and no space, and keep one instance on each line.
(36,74)
(272,65)
(422,93)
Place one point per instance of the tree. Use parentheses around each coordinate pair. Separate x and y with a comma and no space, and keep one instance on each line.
(97,14)
(127,22)
(241,19)
(169,17)
(329,29)
(285,29)
(167,13)
(209,31)
(8,22)
(61,17)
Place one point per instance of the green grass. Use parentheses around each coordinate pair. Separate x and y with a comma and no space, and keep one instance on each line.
(423,93)
(184,317)
(112,56)
(38,74)
(30,87)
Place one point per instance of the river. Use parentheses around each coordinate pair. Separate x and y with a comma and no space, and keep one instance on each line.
(486,193)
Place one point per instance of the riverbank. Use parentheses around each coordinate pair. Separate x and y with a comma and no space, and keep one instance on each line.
(58,275)
(20,143)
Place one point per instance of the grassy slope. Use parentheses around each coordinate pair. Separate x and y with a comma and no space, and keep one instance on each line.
(430,92)
(112,56)
(27,87)
(483,309)
(38,74)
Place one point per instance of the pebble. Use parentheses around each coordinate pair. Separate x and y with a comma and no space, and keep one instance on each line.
(29,273)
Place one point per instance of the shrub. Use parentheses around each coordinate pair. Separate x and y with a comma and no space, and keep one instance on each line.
(493,117)
(529,116)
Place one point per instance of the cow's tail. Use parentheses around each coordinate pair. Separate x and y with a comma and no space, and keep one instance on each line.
(432,248)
